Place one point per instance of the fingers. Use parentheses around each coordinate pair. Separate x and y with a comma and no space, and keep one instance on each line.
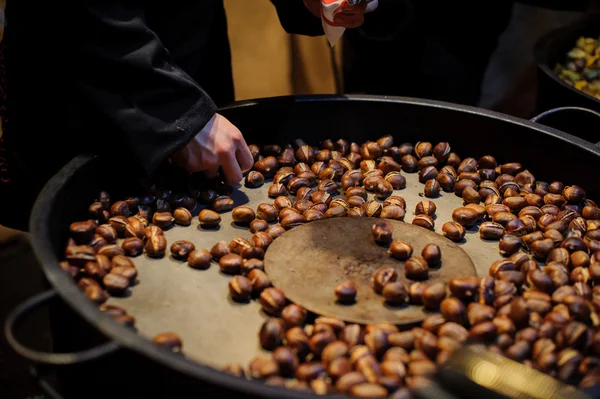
(186,159)
(218,146)
(349,17)
(234,164)
(231,168)
(244,157)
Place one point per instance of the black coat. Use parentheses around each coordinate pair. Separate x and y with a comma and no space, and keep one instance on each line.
(129,80)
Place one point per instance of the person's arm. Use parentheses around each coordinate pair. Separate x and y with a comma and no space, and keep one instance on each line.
(126,76)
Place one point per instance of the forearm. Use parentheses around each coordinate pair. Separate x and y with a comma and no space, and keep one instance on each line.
(125,76)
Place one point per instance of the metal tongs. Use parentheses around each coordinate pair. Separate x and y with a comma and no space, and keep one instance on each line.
(475,372)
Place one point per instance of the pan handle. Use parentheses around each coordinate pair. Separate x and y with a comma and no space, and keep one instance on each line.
(558,118)
(56,359)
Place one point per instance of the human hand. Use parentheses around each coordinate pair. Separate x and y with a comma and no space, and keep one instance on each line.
(349,17)
(218,144)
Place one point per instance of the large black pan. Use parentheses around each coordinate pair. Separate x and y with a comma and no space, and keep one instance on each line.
(553,49)
(123,356)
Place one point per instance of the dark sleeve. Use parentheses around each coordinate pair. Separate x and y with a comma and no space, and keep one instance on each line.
(561,5)
(126,76)
(295,18)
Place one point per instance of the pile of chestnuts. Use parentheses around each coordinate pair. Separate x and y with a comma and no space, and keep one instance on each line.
(415,268)
(539,304)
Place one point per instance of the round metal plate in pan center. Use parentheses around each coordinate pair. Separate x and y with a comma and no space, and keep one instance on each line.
(311,260)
